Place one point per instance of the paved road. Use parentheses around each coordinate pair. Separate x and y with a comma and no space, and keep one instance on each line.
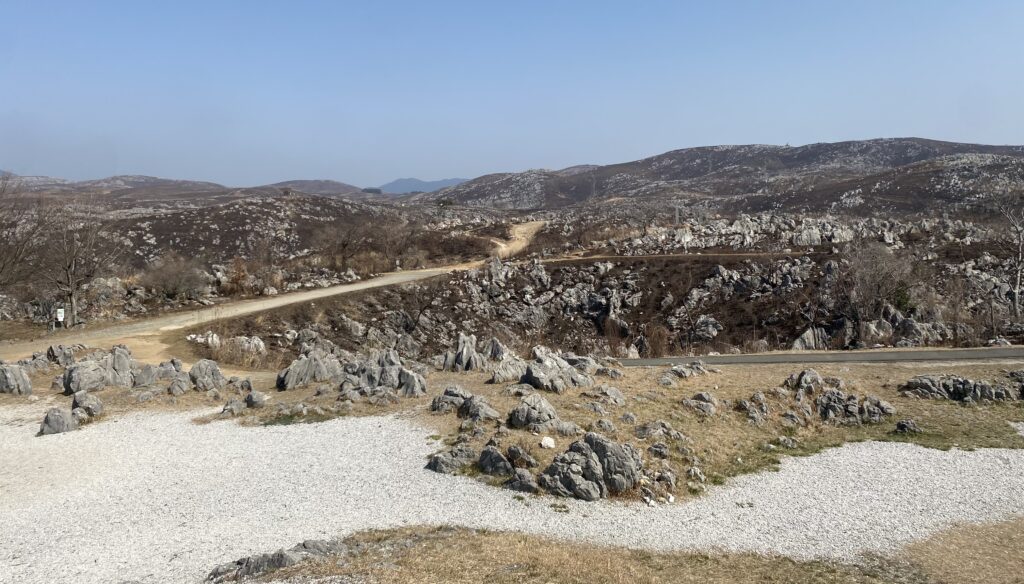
(883,356)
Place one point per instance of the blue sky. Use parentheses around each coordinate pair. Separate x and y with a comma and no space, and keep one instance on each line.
(248,93)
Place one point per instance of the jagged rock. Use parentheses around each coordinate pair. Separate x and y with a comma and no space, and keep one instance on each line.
(477,409)
(836,407)
(57,421)
(452,461)
(465,357)
(84,376)
(550,372)
(60,355)
(451,400)
(315,366)
(604,425)
(511,369)
(658,429)
(205,375)
(606,394)
(523,481)
(520,458)
(180,384)
(907,426)
(90,404)
(254,565)
(532,410)
(494,350)
(813,339)
(493,462)
(956,388)
(14,380)
(706,328)
(703,403)
(249,347)
(593,468)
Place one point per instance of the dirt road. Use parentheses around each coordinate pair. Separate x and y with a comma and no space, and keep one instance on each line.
(147,337)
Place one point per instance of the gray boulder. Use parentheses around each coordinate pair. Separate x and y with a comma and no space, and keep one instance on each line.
(522,481)
(57,421)
(14,380)
(451,400)
(88,403)
(493,462)
(510,370)
(180,384)
(84,376)
(477,409)
(452,461)
(206,375)
(532,411)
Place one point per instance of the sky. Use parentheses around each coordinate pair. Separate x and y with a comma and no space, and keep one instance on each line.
(249,93)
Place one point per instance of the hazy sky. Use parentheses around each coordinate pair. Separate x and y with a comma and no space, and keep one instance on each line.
(250,92)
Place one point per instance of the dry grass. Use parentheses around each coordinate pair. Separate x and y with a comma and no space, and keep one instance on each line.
(973,554)
(461,556)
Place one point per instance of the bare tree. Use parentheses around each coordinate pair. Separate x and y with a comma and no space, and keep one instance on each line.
(877,275)
(1011,211)
(81,247)
(342,241)
(22,230)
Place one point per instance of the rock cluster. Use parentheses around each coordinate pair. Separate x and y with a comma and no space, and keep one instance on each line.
(961,389)
(380,376)
(593,468)
(535,414)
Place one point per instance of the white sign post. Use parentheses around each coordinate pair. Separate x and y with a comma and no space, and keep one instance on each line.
(60,315)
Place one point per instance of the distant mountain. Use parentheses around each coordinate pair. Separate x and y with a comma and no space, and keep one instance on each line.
(891,173)
(405,186)
(319,187)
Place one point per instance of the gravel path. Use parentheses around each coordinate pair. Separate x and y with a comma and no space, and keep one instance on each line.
(154,498)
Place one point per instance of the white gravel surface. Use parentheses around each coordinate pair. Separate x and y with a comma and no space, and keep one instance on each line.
(155,498)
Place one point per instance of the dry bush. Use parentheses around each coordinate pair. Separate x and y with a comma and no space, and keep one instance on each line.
(174,277)
(658,339)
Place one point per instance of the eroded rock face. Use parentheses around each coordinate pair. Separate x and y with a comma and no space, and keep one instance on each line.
(593,468)
(14,380)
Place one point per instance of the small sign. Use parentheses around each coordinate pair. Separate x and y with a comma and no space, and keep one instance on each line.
(60,315)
